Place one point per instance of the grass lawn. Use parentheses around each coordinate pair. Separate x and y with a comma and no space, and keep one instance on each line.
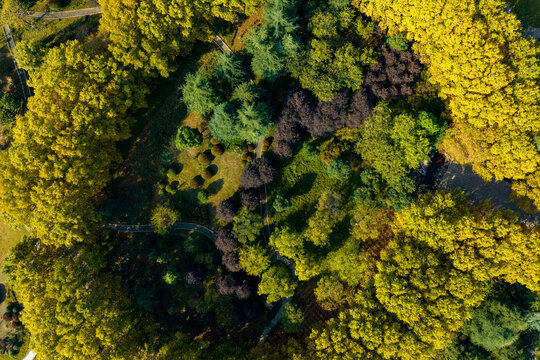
(227,168)
(302,181)
(8,238)
(527,11)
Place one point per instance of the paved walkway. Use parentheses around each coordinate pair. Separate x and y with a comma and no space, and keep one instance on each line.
(30,356)
(64,14)
(498,192)
(263,202)
(222,45)
(27,92)
(149,228)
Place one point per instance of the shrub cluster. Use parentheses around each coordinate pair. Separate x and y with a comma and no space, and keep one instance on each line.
(257,173)
(394,75)
(227,209)
(303,114)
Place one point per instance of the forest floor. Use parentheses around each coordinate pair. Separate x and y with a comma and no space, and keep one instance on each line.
(244,28)
(132,191)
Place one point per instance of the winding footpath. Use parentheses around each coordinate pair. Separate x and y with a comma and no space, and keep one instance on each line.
(263,202)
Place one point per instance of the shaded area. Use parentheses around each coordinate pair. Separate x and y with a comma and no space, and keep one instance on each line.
(498,192)
(149,228)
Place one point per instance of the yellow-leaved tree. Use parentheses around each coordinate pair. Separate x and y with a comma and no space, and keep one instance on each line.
(64,146)
(488,75)
(149,34)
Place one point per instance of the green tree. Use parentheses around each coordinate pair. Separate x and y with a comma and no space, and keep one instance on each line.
(229,68)
(64,146)
(277,283)
(254,259)
(495,326)
(393,143)
(292,318)
(163,218)
(74,306)
(339,169)
(198,94)
(254,121)
(322,223)
(223,122)
(247,225)
(282,204)
(187,138)
(330,293)
(397,41)
(331,62)
(10,107)
(30,54)
(275,42)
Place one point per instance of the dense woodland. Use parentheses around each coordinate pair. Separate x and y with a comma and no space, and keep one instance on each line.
(340,116)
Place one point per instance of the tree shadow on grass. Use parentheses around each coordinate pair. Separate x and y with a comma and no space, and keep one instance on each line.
(303,185)
(2,293)
(215,187)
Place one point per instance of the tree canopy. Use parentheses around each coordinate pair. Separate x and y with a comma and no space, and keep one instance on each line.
(64,146)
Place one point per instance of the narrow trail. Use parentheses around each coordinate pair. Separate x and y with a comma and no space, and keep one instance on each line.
(27,92)
(263,202)
(63,14)
(150,228)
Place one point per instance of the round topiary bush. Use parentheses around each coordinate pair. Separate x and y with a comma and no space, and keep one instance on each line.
(161,192)
(208,173)
(217,150)
(170,189)
(339,169)
(187,138)
(251,148)
(202,196)
(282,204)
(194,183)
(203,158)
(214,141)
(267,142)
(171,173)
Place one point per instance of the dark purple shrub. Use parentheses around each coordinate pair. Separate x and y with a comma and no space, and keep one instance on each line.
(249,198)
(226,285)
(257,173)
(225,240)
(243,291)
(195,275)
(329,115)
(359,109)
(230,261)
(227,209)
(394,76)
